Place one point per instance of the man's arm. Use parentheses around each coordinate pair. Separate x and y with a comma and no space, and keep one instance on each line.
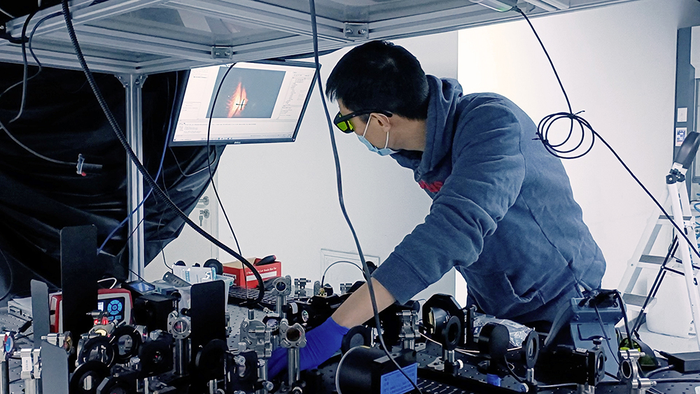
(324,340)
(357,309)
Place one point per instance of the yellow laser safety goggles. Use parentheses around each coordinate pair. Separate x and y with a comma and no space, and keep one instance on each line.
(343,124)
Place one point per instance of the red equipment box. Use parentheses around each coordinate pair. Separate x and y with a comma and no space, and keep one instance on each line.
(268,270)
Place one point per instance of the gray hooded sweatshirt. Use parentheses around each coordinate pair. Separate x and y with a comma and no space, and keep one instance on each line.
(503,212)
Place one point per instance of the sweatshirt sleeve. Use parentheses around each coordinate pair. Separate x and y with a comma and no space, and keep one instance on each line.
(487,174)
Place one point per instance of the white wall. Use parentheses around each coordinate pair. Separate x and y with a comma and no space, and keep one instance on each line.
(282,198)
(617,63)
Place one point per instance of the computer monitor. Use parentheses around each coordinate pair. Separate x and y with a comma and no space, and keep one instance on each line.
(257,102)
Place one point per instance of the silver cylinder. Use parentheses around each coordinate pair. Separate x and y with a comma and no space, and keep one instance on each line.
(212,387)
(182,356)
(448,356)
(293,364)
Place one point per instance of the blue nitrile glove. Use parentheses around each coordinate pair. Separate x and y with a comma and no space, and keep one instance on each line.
(321,343)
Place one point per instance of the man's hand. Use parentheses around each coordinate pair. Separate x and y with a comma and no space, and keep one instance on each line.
(321,343)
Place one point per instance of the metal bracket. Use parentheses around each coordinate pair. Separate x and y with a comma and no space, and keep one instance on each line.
(257,336)
(221,52)
(409,328)
(356,31)
(127,81)
(630,373)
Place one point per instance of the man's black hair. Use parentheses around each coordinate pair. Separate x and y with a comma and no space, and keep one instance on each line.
(379,75)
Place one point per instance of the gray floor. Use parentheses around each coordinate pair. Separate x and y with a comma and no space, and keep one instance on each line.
(668,343)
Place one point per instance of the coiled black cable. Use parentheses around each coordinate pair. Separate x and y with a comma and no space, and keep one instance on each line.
(578,126)
(587,138)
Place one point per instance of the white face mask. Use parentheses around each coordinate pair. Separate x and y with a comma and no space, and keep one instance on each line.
(381,152)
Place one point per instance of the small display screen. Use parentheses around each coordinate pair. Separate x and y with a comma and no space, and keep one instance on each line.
(114,307)
(139,286)
(244,103)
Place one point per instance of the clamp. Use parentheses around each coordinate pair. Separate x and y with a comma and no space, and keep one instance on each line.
(125,341)
(256,336)
(180,327)
(629,372)
(409,327)
(300,286)
(95,348)
(282,288)
(292,338)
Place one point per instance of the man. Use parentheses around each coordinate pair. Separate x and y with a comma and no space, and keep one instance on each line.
(503,212)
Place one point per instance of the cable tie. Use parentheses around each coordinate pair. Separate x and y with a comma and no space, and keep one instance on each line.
(7,36)
(79,165)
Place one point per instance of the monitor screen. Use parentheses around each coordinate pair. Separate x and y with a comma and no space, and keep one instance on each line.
(256,103)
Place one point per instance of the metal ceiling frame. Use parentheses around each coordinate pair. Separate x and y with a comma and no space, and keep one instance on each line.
(280,30)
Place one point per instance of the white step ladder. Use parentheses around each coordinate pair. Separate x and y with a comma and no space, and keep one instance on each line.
(646,257)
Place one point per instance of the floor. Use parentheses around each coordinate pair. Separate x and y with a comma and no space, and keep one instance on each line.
(668,343)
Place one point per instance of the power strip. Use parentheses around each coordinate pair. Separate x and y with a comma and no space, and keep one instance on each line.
(175,280)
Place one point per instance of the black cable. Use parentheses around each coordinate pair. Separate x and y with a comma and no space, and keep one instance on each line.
(165,190)
(323,277)
(148,194)
(177,163)
(546,123)
(612,376)
(11,282)
(134,159)
(139,276)
(162,252)
(556,386)
(543,130)
(658,370)
(368,276)
(511,370)
(24,327)
(79,164)
(624,317)
(31,39)
(39,155)
(160,221)
(607,340)
(131,234)
(25,66)
(211,174)
(6,13)
(31,51)
(655,286)
(33,273)
(22,336)
(23,82)
(677,380)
